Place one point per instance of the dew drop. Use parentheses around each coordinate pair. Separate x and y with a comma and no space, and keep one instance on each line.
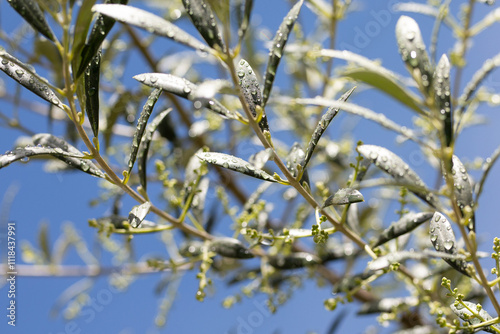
(448,244)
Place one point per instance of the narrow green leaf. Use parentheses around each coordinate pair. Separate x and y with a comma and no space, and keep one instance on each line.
(122,225)
(393,165)
(183,88)
(251,90)
(67,153)
(230,247)
(293,261)
(235,164)
(192,172)
(203,19)
(276,51)
(294,162)
(442,96)
(150,22)
(406,224)
(192,248)
(100,30)
(321,127)
(343,197)
(26,152)
(43,241)
(245,19)
(463,189)
(26,76)
(476,317)
(91,77)
(198,204)
(339,252)
(138,213)
(141,126)
(413,52)
(80,32)
(31,12)
(144,147)
(443,240)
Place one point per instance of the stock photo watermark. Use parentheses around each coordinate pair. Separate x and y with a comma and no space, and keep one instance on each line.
(11,273)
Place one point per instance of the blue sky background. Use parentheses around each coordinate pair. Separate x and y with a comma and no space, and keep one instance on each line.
(62,198)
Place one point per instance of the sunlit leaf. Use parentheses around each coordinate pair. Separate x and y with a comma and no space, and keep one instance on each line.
(293,261)
(413,52)
(251,91)
(67,153)
(199,199)
(150,22)
(393,165)
(138,213)
(102,26)
(26,76)
(91,77)
(203,19)
(80,32)
(343,197)
(294,159)
(235,164)
(183,88)
(442,94)
(463,189)
(276,51)
(406,224)
(321,127)
(142,156)
(244,22)
(141,126)
(192,248)
(259,159)
(230,247)
(474,314)
(443,240)
(32,13)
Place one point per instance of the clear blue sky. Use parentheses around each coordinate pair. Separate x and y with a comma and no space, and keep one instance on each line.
(61,198)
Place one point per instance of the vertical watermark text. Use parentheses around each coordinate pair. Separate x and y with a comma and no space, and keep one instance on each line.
(11,273)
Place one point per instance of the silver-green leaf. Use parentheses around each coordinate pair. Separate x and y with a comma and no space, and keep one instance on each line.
(321,127)
(138,213)
(462,189)
(406,224)
(343,197)
(150,22)
(32,13)
(251,91)
(244,19)
(443,240)
(474,315)
(235,164)
(183,88)
(393,165)
(26,76)
(442,96)
(293,261)
(203,19)
(141,126)
(294,159)
(276,51)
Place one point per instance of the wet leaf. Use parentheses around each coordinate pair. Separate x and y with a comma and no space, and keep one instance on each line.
(276,51)
(198,204)
(31,12)
(26,76)
(142,156)
(122,225)
(443,240)
(393,165)
(183,88)
(406,224)
(442,95)
(81,29)
(102,26)
(295,158)
(462,189)
(138,213)
(192,248)
(230,247)
(91,78)
(150,22)
(469,312)
(192,172)
(293,261)
(339,252)
(413,52)
(321,127)
(251,91)
(259,159)
(203,19)
(141,126)
(343,197)
(235,164)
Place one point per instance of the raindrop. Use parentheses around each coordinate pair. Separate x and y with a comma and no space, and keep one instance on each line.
(448,244)
(434,237)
